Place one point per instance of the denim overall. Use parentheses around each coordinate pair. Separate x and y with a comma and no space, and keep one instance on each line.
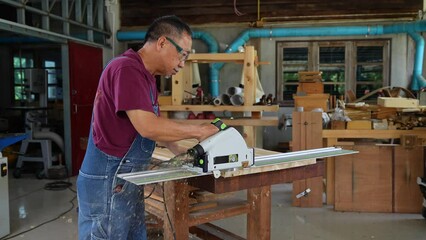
(109,207)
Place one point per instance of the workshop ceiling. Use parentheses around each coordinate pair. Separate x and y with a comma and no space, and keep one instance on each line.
(141,13)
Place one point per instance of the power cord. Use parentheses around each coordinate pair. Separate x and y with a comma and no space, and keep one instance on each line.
(152,191)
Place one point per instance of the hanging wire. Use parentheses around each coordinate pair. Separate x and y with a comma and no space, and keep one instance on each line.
(238,13)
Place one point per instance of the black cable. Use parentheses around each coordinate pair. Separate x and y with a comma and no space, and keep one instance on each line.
(43,223)
(152,191)
(167,213)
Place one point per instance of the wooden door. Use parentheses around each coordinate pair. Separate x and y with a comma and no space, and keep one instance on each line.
(85,66)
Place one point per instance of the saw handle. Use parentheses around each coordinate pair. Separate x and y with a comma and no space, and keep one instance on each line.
(219,124)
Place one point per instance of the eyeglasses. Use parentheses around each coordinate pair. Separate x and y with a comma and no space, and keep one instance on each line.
(183,54)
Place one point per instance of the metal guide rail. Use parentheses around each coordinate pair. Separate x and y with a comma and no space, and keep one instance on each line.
(168,174)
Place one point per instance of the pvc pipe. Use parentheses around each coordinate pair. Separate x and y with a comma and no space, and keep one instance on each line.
(234,90)
(50,135)
(217,101)
(196,79)
(418,81)
(226,100)
(237,100)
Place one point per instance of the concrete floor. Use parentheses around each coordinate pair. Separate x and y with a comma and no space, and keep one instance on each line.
(39,214)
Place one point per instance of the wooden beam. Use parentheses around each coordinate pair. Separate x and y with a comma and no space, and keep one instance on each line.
(222,211)
(375,134)
(260,202)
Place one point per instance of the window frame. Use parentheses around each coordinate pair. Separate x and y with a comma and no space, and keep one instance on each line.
(313,64)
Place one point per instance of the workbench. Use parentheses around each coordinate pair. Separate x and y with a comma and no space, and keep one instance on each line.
(257,206)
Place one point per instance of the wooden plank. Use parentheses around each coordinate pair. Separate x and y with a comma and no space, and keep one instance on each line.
(202,206)
(249,76)
(307,130)
(313,132)
(312,101)
(249,135)
(375,134)
(223,185)
(409,164)
(177,88)
(216,57)
(176,197)
(298,142)
(187,82)
(342,191)
(364,181)
(204,196)
(224,210)
(221,108)
(330,177)
(359,125)
(208,231)
(264,121)
(398,102)
(260,202)
(311,87)
(267,168)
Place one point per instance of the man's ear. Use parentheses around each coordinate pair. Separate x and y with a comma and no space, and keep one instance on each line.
(160,42)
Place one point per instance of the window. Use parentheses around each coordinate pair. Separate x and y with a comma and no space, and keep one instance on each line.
(54,91)
(44,59)
(332,66)
(370,69)
(20,63)
(294,61)
(359,66)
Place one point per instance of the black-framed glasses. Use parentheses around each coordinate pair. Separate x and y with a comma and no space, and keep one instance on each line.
(183,54)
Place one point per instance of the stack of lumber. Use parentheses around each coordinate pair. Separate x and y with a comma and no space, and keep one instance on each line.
(310,92)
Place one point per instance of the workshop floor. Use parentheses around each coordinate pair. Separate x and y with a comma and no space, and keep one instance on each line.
(39,214)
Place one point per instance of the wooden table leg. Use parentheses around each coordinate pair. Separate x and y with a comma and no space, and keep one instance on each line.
(259,218)
(331,142)
(177,207)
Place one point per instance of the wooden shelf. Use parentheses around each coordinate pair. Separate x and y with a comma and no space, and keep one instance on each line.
(264,121)
(182,85)
(375,134)
(216,57)
(221,108)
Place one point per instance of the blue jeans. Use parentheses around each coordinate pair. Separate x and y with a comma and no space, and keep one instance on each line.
(109,207)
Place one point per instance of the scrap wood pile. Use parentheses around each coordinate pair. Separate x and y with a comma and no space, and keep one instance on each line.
(396,108)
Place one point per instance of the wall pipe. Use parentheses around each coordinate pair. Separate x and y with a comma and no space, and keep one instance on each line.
(212,45)
(409,28)
(418,81)
(211,42)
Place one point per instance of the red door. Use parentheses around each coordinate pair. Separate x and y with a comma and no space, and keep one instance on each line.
(85,67)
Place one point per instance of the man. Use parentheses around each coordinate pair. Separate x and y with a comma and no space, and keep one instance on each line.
(124,128)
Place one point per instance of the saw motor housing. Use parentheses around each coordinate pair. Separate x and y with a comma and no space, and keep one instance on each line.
(223,150)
